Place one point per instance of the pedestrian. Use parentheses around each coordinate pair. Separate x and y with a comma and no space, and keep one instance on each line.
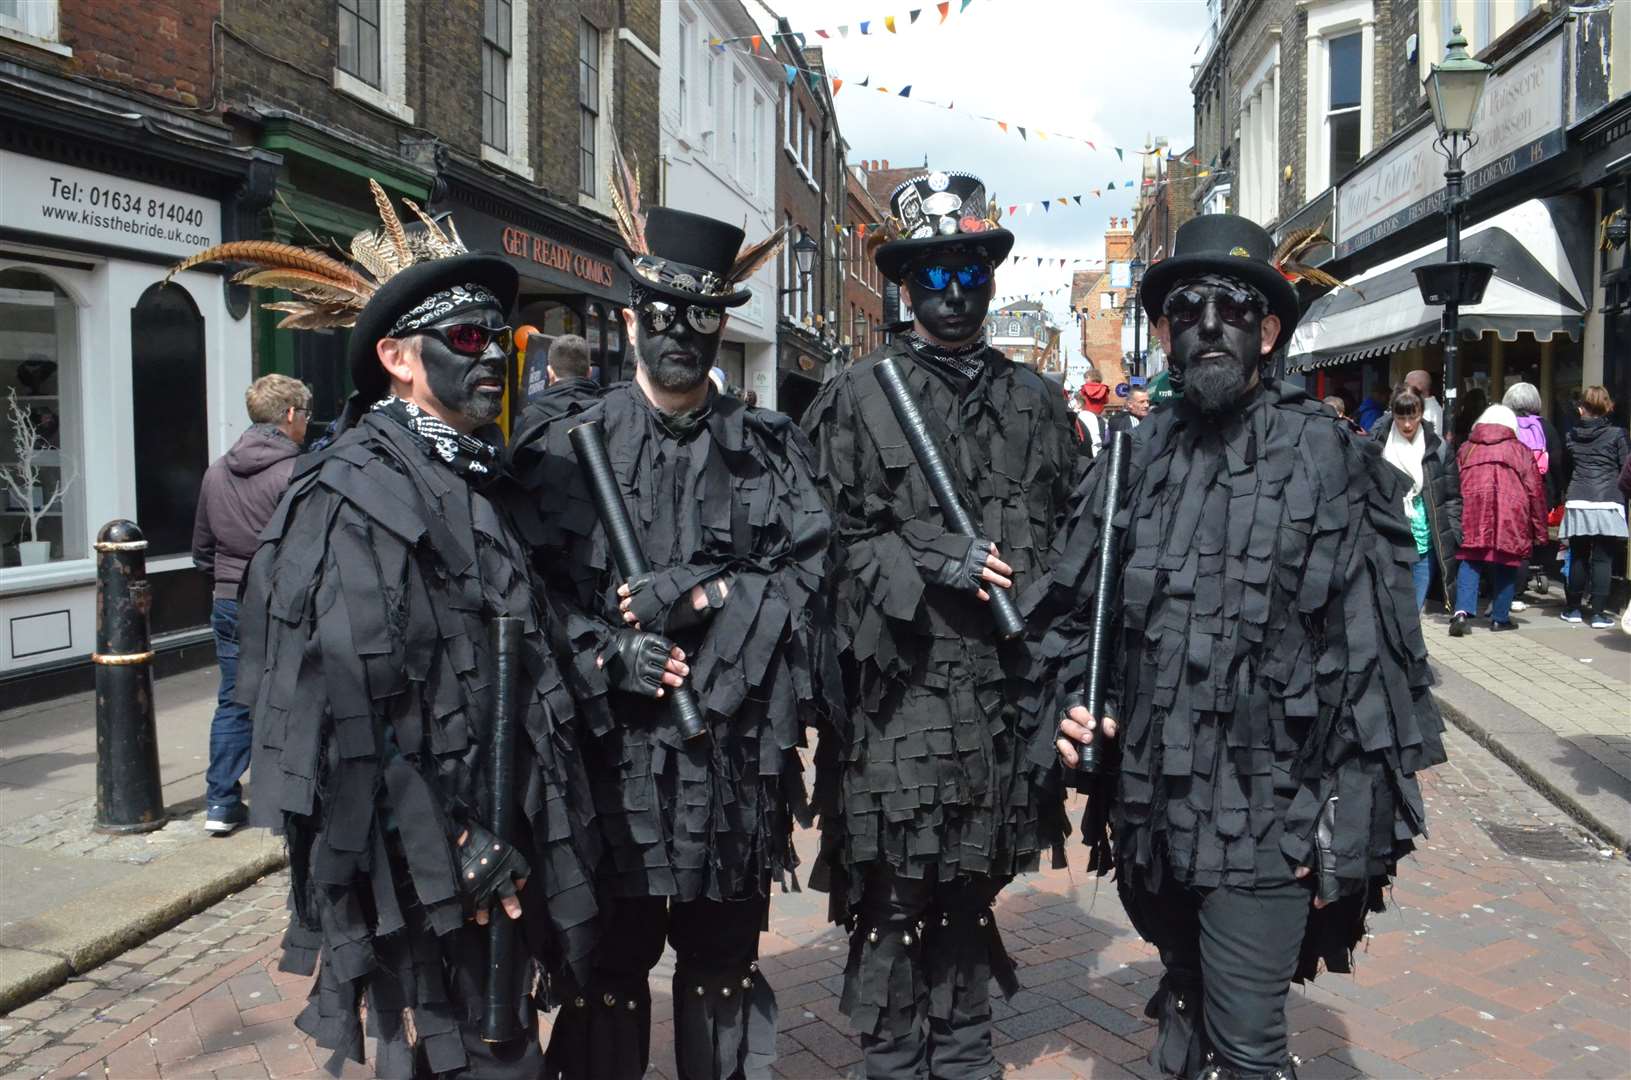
(691,834)
(940,808)
(1270,685)
(1503,517)
(570,389)
(1091,415)
(1593,508)
(1432,412)
(1373,408)
(1335,403)
(241,489)
(1432,504)
(368,666)
(1537,433)
(1138,407)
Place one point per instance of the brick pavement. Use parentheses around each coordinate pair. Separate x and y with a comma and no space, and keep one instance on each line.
(1489,964)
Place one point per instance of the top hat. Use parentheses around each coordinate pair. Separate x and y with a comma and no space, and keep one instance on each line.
(403,292)
(1223,244)
(689,258)
(940,210)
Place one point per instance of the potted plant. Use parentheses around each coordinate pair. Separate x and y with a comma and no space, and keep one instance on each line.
(22,478)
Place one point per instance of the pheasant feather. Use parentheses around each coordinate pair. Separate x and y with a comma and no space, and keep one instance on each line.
(393,225)
(630,215)
(756,255)
(271,255)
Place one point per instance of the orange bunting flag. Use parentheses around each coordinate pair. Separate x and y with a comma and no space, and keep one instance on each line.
(1003,125)
(755,39)
(944,9)
(860,230)
(836,83)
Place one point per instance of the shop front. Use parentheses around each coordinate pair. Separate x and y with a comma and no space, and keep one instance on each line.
(118,386)
(803,360)
(569,282)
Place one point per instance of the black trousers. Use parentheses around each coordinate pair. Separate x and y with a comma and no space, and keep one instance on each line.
(1232,953)
(1591,561)
(955,1045)
(722,1005)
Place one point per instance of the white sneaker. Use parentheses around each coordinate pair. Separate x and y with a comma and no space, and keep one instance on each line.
(1519,605)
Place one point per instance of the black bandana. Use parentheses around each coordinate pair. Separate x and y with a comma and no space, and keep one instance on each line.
(964,359)
(439,305)
(466,455)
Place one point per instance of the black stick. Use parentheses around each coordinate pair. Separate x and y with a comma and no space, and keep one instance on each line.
(499,1021)
(631,561)
(1109,548)
(1003,611)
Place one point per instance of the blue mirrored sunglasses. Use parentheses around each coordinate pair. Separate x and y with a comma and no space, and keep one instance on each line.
(936,278)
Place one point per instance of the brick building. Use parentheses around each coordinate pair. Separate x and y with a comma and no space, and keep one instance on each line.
(134,134)
(810,197)
(1024,332)
(861,322)
(1100,308)
(1165,202)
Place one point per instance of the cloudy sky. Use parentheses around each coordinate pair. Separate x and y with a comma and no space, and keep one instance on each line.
(1115,72)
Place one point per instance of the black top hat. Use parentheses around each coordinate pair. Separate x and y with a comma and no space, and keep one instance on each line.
(689,258)
(1224,244)
(403,292)
(940,210)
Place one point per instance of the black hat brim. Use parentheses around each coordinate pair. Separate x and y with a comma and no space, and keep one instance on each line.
(680,296)
(406,289)
(1282,295)
(893,257)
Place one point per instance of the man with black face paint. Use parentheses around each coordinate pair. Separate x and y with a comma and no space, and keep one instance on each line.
(723,501)
(1268,701)
(367,664)
(941,807)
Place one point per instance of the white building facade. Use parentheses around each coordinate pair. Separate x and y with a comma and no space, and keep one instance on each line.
(718,135)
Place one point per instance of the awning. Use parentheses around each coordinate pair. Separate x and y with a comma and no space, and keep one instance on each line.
(1536,290)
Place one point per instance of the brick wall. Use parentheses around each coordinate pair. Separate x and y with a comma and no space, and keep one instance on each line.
(863,284)
(159,48)
(816,209)
(1405,98)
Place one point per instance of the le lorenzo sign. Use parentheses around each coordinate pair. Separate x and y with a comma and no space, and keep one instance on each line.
(521,244)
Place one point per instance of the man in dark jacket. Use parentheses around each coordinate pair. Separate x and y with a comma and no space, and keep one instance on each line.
(239,494)
(570,388)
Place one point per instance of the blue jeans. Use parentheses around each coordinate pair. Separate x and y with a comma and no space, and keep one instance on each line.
(230,730)
(1422,574)
(1503,579)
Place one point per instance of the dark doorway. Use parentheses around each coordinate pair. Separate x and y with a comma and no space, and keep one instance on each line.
(170,410)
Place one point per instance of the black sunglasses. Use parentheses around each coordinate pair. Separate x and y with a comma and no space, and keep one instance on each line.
(1236,307)
(657,316)
(936,278)
(471,339)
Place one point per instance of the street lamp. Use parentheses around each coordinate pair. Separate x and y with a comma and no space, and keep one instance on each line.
(804,253)
(1454,89)
(1136,273)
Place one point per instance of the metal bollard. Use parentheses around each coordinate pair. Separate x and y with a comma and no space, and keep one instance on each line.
(129,794)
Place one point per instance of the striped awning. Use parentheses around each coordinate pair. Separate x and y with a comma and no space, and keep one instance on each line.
(1537,289)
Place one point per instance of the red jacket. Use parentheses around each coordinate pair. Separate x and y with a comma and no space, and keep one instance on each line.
(1503,503)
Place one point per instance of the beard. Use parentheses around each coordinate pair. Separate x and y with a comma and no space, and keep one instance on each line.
(1214,385)
(676,372)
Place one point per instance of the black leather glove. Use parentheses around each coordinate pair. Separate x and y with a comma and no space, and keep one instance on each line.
(1327,886)
(488,867)
(965,574)
(662,600)
(636,660)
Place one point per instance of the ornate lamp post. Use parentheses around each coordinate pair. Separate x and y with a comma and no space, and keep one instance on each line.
(1454,90)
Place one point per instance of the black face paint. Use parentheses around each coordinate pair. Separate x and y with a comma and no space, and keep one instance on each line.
(472,386)
(956,313)
(1214,361)
(679,358)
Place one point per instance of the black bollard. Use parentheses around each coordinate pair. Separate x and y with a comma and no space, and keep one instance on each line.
(129,795)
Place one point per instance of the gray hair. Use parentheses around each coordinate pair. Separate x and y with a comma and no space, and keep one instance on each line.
(1522,398)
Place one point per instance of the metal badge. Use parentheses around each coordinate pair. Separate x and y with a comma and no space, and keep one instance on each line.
(942,203)
(938,181)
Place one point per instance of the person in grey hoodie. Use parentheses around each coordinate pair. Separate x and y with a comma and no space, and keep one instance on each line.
(240,492)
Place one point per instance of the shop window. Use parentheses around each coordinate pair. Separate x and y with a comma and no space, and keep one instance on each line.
(170,415)
(39,363)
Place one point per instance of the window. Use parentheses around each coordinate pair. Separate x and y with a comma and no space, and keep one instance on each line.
(688,31)
(39,361)
(359,40)
(588,107)
(1013,328)
(739,92)
(790,271)
(495,75)
(170,406)
(1342,118)
(34,20)
(712,120)
(1483,26)
(755,137)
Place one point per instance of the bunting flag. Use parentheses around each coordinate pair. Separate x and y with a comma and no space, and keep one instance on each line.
(889,23)
(756,39)
(1020,130)
(906,92)
(792,73)
(864,26)
(913,14)
(944,9)
(836,83)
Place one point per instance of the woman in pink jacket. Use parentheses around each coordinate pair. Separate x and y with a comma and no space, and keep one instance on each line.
(1503,516)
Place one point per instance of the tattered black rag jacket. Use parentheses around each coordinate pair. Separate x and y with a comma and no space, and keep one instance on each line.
(1266,655)
(936,776)
(731,494)
(365,660)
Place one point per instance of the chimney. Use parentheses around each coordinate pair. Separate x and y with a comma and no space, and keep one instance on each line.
(885,165)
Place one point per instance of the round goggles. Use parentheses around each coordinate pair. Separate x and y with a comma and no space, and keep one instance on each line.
(1236,307)
(471,339)
(659,316)
(937,278)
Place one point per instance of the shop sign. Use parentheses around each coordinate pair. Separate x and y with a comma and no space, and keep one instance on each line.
(521,244)
(96,207)
(1520,124)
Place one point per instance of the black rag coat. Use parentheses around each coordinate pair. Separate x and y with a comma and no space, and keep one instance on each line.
(935,777)
(1266,656)
(365,661)
(734,496)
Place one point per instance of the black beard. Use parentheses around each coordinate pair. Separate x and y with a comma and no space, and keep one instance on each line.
(678,360)
(675,374)
(1214,386)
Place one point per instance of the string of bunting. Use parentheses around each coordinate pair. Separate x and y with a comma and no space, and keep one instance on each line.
(887,24)
(791,72)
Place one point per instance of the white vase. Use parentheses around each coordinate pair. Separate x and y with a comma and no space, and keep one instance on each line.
(34,552)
